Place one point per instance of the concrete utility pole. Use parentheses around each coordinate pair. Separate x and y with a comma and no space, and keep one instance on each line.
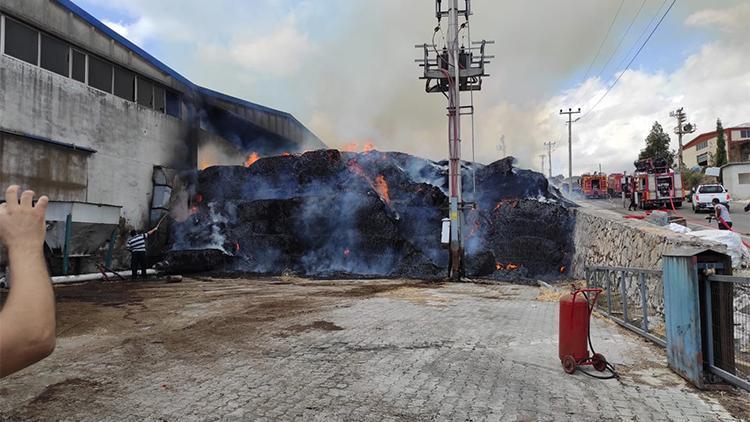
(570,114)
(549,145)
(542,157)
(681,129)
(450,69)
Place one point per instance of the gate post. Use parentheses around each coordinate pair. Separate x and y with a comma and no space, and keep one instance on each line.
(682,308)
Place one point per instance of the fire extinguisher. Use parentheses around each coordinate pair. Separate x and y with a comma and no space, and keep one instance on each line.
(575,334)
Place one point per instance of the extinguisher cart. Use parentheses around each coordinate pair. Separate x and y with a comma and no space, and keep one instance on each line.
(575,336)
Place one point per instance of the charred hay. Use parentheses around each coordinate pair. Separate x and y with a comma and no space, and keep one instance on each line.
(326,212)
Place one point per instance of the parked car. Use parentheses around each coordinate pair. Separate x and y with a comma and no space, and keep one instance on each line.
(705,194)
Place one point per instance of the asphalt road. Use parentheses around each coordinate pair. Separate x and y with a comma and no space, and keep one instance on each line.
(740,219)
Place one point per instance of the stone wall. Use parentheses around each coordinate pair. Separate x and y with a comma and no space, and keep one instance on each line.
(606,238)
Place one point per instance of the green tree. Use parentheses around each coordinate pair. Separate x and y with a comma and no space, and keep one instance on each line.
(657,145)
(721,145)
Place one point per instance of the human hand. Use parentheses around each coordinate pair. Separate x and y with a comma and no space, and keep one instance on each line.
(22,227)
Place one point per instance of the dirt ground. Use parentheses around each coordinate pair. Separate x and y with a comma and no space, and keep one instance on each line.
(207,348)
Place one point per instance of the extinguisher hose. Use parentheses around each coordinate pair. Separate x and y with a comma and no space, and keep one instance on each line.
(609,366)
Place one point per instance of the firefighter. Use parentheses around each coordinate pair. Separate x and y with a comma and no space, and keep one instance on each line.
(722,215)
(633,205)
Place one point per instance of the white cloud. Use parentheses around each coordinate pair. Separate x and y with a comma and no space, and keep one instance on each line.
(728,19)
(138,32)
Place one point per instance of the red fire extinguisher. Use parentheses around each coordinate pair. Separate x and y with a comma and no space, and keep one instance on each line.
(575,336)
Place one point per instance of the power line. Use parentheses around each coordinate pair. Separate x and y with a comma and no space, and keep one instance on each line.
(631,60)
(606,36)
(622,39)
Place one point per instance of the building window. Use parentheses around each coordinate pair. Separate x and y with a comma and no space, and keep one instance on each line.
(54,55)
(173,103)
(744,178)
(78,68)
(703,159)
(159,98)
(21,41)
(145,93)
(745,133)
(702,145)
(100,74)
(124,84)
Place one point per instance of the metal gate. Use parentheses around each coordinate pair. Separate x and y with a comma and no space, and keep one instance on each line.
(728,328)
(632,297)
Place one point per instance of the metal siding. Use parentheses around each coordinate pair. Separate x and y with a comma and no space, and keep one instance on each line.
(682,315)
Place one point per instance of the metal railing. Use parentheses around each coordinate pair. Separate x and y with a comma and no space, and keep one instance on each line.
(632,297)
(728,328)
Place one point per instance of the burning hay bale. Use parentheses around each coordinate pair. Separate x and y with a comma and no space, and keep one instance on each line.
(328,213)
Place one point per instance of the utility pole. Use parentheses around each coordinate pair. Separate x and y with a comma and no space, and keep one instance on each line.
(549,145)
(570,114)
(542,157)
(681,129)
(450,69)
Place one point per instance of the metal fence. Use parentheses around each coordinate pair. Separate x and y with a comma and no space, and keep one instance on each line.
(728,328)
(632,297)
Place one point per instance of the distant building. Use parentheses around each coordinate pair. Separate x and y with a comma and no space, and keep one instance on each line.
(699,151)
(86,115)
(736,178)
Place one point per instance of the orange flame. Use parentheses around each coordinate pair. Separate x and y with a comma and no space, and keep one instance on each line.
(251,159)
(498,266)
(203,165)
(368,147)
(285,154)
(562,269)
(381,187)
(351,147)
(511,267)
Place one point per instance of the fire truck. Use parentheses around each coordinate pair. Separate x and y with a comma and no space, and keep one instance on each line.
(656,185)
(614,184)
(594,185)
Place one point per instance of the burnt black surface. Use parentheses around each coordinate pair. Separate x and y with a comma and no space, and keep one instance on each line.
(326,212)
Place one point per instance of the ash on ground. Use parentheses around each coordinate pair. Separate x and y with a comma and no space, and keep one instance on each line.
(328,213)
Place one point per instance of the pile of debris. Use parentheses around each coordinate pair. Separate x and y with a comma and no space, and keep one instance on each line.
(328,213)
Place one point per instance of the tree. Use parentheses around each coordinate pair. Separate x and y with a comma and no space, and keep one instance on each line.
(657,145)
(721,145)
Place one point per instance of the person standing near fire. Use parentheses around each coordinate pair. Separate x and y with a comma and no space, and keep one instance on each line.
(722,215)
(137,247)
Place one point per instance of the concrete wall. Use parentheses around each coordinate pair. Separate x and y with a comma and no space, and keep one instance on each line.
(605,238)
(736,178)
(129,139)
(58,172)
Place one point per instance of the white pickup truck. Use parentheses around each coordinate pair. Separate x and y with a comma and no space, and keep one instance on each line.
(705,194)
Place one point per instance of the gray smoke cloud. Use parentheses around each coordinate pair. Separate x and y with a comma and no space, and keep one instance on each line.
(345,68)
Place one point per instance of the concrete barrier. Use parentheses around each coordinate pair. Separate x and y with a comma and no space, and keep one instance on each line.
(606,238)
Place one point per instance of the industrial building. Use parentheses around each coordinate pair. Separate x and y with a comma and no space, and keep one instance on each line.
(86,116)
(700,150)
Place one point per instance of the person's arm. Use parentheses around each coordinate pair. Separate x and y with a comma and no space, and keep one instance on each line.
(27,321)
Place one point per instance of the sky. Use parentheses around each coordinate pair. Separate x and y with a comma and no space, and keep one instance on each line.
(345,69)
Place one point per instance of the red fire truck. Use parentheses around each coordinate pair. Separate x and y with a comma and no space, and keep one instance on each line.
(656,185)
(614,184)
(594,185)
